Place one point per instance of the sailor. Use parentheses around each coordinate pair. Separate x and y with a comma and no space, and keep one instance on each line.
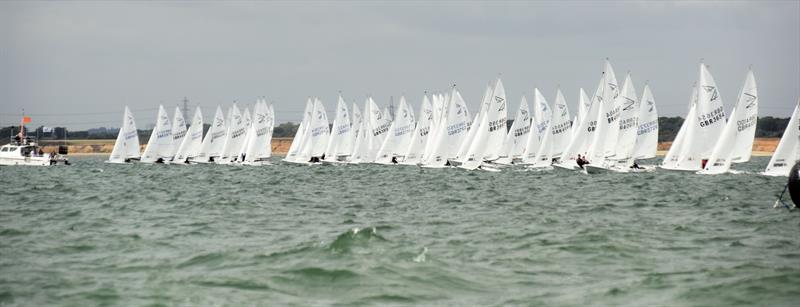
(636,166)
(394,160)
(581,161)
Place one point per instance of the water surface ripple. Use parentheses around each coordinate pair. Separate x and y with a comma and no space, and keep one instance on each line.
(100,234)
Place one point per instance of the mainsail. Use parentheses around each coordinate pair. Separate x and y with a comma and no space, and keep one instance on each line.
(214,140)
(127,145)
(192,142)
(399,136)
(258,148)
(419,137)
(788,151)
(159,146)
(517,137)
(705,125)
(736,142)
(297,142)
(647,131)
(340,143)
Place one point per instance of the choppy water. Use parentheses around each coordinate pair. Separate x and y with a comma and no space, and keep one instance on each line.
(100,234)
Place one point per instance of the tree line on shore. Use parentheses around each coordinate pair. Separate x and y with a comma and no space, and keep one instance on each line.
(668,127)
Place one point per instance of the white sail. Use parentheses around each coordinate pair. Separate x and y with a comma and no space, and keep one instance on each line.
(159,146)
(178,132)
(214,140)
(248,128)
(605,136)
(517,137)
(451,133)
(340,143)
(258,148)
(361,144)
(379,123)
(400,133)
(647,132)
(356,120)
(583,130)
(294,149)
(358,133)
(463,150)
(556,134)
(190,147)
(235,137)
(706,125)
(126,146)
(561,123)
(541,113)
(671,158)
(320,130)
(438,118)
(628,123)
(736,142)
(419,138)
(541,120)
(488,141)
(788,151)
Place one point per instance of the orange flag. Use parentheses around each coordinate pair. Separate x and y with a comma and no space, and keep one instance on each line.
(26,119)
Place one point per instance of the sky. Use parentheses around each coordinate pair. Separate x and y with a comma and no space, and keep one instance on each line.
(77,64)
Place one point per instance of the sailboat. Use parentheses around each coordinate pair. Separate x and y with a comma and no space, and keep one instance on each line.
(399,136)
(450,132)
(647,131)
(235,136)
(178,133)
(316,137)
(605,137)
(491,132)
(258,149)
(190,147)
(583,130)
(126,147)
(555,135)
(293,155)
(248,127)
(539,124)
(340,144)
(159,146)
(736,142)
(378,125)
(517,137)
(702,127)
(361,143)
(788,151)
(211,148)
(622,159)
(419,138)
(463,150)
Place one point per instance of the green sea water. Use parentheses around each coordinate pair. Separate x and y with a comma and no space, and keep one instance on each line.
(136,235)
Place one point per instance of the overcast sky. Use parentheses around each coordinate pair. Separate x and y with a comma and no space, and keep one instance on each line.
(79,63)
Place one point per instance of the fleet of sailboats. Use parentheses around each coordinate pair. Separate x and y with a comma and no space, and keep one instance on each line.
(239,139)
(611,131)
